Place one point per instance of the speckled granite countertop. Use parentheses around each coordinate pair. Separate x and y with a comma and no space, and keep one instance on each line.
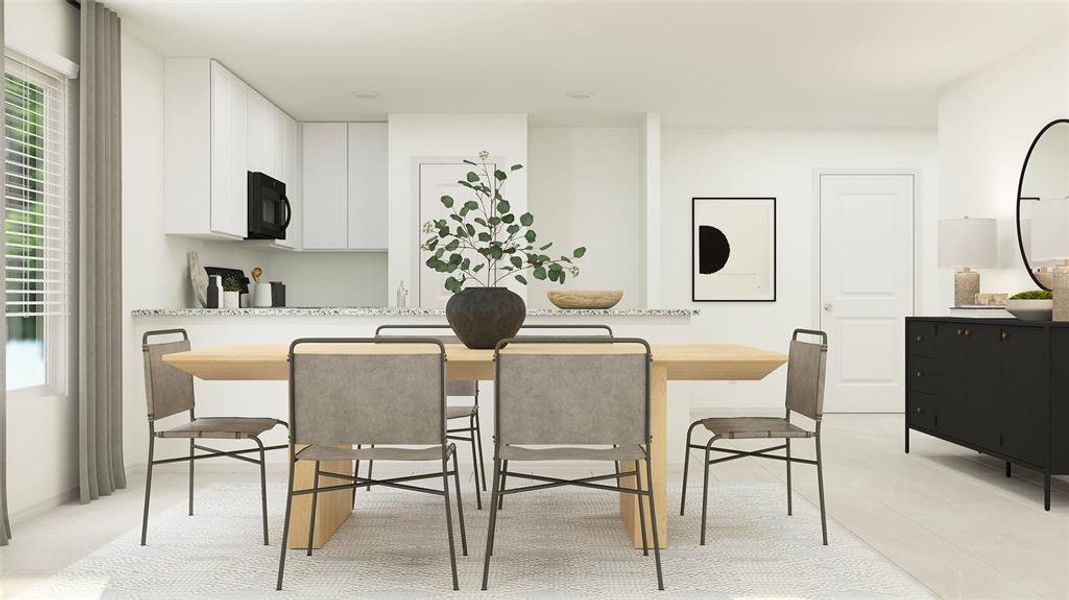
(396,312)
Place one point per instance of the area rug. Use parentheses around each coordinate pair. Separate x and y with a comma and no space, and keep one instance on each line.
(550,544)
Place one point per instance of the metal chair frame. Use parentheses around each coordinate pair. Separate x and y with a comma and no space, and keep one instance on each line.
(761,453)
(501,470)
(473,432)
(193,447)
(357,481)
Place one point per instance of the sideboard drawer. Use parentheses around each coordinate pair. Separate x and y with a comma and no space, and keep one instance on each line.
(921,410)
(922,374)
(920,338)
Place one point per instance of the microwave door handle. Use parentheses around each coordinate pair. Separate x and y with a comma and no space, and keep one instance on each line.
(289,212)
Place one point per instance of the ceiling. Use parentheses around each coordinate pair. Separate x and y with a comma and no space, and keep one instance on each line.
(717,64)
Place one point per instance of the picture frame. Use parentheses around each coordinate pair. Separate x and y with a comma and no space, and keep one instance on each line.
(733,249)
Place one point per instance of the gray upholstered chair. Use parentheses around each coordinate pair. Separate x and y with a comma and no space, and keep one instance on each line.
(472,433)
(355,391)
(590,405)
(805,396)
(169,392)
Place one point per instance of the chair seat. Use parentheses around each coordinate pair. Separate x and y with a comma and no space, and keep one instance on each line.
(743,428)
(220,428)
(522,453)
(456,412)
(377,453)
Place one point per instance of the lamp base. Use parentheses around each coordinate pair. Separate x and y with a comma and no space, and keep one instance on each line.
(1060,293)
(966,287)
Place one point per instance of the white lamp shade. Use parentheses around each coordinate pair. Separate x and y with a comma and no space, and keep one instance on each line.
(1050,231)
(968,243)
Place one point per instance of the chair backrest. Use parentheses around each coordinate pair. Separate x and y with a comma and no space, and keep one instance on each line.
(168,391)
(453,387)
(594,391)
(550,328)
(367,391)
(806,364)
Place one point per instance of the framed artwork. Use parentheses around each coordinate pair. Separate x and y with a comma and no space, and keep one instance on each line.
(733,249)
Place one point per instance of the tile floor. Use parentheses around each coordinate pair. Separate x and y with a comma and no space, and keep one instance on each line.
(945,515)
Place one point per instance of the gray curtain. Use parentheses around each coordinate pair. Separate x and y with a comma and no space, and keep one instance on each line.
(5,524)
(99,385)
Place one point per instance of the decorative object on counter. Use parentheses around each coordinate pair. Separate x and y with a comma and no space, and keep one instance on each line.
(733,249)
(1036,305)
(966,244)
(1042,180)
(198,277)
(214,292)
(483,241)
(231,292)
(402,295)
(579,299)
(261,296)
(1050,246)
(991,299)
(278,294)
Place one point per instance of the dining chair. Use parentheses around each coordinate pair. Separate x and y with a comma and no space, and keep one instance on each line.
(589,405)
(806,365)
(346,391)
(472,433)
(169,392)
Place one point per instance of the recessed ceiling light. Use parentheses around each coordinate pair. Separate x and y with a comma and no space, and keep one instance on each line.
(366,94)
(579,94)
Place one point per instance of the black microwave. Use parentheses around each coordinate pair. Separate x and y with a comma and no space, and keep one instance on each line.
(269,209)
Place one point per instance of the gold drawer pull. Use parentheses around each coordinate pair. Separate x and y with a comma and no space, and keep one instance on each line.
(920,338)
(920,373)
(918,410)
(1004,336)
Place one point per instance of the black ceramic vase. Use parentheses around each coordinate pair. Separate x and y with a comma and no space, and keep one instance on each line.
(483,316)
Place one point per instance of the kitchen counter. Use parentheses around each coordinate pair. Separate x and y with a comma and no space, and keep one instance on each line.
(342,311)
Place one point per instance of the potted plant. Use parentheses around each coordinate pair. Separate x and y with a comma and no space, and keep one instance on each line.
(231,292)
(482,244)
(1034,305)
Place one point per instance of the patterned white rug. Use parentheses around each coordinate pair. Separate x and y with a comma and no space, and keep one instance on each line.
(550,544)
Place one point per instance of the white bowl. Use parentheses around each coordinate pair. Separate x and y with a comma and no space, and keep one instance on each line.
(1031,310)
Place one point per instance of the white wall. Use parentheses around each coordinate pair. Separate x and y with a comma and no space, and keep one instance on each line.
(42,431)
(413,137)
(986,123)
(583,189)
(779,163)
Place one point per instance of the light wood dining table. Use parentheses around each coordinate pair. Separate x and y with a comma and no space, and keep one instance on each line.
(690,362)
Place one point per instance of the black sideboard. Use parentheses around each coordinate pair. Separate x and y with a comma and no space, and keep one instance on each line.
(998,386)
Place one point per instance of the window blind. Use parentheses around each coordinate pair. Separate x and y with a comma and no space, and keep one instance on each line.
(37,208)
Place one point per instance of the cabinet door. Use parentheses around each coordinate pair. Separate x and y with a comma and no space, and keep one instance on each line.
(980,385)
(367,186)
(229,143)
(325,176)
(1024,393)
(949,352)
(255,131)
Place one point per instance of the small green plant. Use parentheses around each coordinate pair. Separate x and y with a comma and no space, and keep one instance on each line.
(231,284)
(482,240)
(1033,295)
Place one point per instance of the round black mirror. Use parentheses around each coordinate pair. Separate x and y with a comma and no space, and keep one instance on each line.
(1044,176)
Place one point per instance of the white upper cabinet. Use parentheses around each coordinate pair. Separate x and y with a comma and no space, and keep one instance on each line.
(216,130)
(344,184)
(325,182)
(367,186)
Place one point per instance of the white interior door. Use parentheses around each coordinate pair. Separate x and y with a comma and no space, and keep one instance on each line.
(437,180)
(866,288)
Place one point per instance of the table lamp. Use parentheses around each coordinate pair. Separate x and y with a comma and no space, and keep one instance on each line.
(966,244)
(1050,245)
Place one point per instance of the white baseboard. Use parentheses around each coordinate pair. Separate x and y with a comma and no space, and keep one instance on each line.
(28,512)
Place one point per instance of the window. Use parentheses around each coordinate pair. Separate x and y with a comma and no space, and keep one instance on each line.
(36,225)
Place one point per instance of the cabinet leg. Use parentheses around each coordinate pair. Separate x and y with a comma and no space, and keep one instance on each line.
(1046,491)
(907,439)
(1009,469)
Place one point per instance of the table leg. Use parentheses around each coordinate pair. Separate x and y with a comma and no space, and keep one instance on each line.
(658,464)
(332,508)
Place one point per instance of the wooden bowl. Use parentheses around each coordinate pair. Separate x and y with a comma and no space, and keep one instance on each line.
(578,299)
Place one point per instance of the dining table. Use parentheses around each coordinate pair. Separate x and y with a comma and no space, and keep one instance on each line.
(671,362)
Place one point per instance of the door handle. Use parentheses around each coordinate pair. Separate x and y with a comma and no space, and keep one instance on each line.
(827,307)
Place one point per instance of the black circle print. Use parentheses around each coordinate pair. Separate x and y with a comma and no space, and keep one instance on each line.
(713,249)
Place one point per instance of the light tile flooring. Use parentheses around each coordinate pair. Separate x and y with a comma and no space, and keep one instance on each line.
(945,515)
